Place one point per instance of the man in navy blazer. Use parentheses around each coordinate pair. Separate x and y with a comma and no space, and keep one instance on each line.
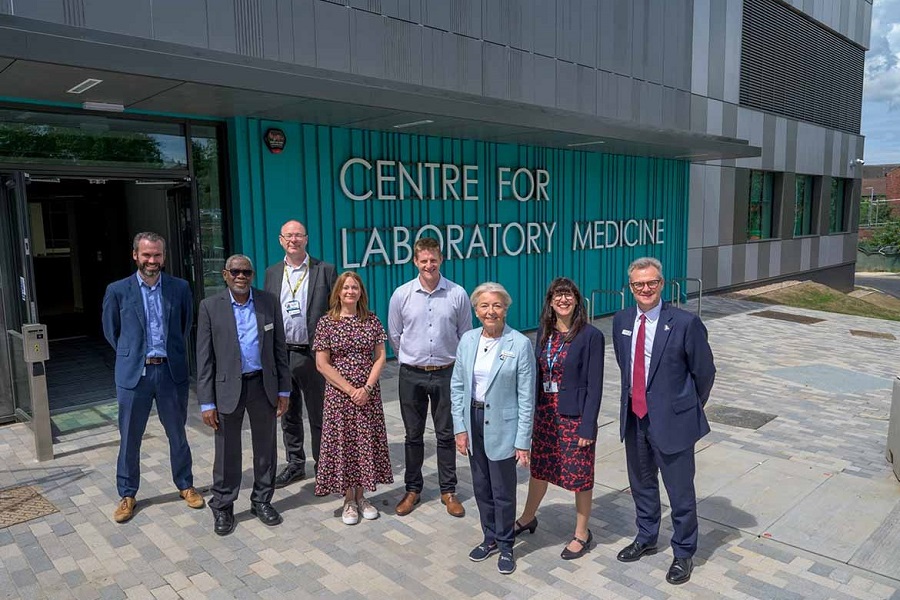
(661,417)
(146,319)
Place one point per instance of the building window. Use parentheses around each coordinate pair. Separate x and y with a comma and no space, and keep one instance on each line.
(836,209)
(762,192)
(803,206)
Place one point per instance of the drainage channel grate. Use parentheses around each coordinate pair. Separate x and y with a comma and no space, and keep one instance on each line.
(872,334)
(21,504)
(782,316)
(737,417)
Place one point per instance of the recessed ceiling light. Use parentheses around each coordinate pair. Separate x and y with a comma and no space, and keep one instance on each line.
(414,123)
(84,86)
(104,106)
(594,143)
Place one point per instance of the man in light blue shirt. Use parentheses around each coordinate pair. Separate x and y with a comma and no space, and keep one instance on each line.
(242,366)
(427,317)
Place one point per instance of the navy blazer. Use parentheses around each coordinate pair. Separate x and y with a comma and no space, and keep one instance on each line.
(582,380)
(125,326)
(679,381)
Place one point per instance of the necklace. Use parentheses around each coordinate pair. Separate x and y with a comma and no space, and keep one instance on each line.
(488,344)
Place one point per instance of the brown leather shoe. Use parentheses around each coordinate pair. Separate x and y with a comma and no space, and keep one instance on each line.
(193,498)
(125,510)
(407,503)
(454,506)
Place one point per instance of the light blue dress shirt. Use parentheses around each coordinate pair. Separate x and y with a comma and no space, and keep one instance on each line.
(153,317)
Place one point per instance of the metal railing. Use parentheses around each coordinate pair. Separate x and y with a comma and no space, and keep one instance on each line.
(592,303)
(676,291)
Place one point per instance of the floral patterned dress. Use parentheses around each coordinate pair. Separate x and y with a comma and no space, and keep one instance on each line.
(555,455)
(354,448)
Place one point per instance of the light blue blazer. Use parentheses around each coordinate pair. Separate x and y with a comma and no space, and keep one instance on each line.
(509,401)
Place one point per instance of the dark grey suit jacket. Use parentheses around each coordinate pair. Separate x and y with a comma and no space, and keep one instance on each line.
(322,277)
(219,353)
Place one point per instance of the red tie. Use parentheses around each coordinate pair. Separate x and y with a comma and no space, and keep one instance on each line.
(639,383)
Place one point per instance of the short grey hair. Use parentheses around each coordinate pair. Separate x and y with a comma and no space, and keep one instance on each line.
(645,262)
(153,238)
(235,257)
(491,287)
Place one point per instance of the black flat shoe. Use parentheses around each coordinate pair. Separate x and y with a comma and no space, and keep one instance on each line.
(529,527)
(680,571)
(266,513)
(224,521)
(634,551)
(289,474)
(585,546)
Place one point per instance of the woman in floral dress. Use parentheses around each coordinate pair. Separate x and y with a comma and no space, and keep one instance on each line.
(349,345)
(569,387)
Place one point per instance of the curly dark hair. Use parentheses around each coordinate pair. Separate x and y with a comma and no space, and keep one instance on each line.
(548,315)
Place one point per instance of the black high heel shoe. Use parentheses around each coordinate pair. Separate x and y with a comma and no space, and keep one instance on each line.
(529,527)
(585,546)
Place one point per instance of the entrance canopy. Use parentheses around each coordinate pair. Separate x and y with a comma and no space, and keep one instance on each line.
(41,62)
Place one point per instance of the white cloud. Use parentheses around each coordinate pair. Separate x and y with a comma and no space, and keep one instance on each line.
(881,92)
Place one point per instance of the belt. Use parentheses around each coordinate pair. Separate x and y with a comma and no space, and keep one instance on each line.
(304,348)
(477,405)
(251,375)
(430,368)
(155,360)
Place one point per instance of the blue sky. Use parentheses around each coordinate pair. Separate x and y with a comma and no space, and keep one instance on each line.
(881,94)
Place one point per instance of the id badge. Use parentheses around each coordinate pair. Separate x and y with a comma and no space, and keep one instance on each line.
(550,387)
(292,307)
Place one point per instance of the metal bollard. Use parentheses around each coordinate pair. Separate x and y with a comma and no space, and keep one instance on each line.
(36,352)
(893,440)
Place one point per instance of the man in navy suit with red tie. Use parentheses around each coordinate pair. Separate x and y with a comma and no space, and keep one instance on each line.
(667,375)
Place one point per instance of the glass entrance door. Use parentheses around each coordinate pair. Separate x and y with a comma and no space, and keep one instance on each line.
(17,300)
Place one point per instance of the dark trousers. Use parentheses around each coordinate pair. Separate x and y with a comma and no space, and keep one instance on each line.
(134,411)
(417,388)
(227,469)
(308,386)
(494,483)
(645,463)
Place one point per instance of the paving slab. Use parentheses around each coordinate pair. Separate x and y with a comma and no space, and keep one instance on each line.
(879,552)
(838,519)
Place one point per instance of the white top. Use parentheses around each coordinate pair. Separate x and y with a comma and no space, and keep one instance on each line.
(484,361)
(295,286)
(649,335)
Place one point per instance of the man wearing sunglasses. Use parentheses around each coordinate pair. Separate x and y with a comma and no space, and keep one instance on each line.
(667,375)
(242,366)
(303,285)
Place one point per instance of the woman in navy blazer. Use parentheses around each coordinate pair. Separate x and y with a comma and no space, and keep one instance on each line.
(492,403)
(569,353)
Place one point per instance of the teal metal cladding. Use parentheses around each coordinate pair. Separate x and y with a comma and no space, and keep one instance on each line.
(303,182)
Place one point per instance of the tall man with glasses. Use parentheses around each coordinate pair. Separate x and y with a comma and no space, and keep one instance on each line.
(303,285)
(667,374)
(146,319)
(426,318)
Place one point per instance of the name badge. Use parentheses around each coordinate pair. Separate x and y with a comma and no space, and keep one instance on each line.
(268,327)
(292,307)
(551,387)
(626,332)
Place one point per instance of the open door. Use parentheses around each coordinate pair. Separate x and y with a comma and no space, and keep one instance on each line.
(18,304)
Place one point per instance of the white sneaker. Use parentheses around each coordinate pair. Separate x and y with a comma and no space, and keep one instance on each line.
(350,516)
(369,512)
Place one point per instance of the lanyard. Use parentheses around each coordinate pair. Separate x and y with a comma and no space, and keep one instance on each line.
(552,360)
(299,281)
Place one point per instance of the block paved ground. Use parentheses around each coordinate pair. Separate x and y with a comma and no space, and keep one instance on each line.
(804,507)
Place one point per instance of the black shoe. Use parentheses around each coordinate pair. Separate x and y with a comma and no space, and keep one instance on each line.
(224,521)
(680,571)
(483,551)
(506,564)
(290,474)
(634,551)
(266,513)
(585,546)
(529,527)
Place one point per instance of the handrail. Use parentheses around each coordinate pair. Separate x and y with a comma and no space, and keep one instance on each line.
(676,281)
(592,304)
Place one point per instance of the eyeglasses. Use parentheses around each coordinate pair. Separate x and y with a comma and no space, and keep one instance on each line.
(563,296)
(294,236)
(244,272)
(650,285)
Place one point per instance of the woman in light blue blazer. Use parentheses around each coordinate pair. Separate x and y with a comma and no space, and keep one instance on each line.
(492,396)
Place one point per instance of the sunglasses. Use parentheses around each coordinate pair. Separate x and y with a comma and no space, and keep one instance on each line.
(244,272)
